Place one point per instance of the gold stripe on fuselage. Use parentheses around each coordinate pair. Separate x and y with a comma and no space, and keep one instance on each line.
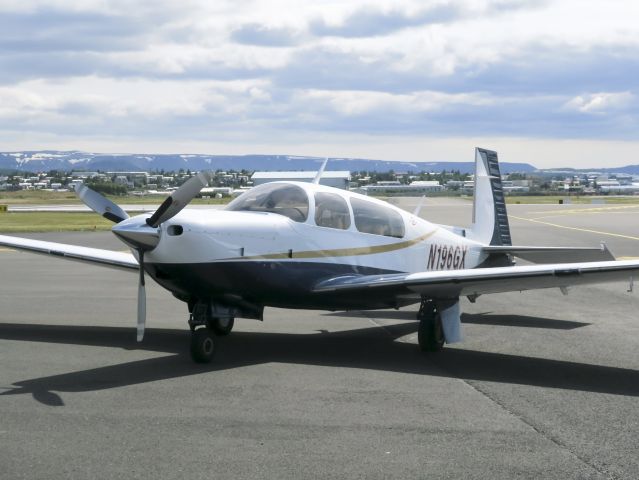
(342,252)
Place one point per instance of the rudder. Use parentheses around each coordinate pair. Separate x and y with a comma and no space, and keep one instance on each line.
(490,219)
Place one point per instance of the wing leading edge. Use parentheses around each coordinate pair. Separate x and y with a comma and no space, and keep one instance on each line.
(96,256)
(479,281)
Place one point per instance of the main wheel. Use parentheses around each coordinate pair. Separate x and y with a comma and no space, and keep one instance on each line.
(430,334)
(202,345)
(223,326)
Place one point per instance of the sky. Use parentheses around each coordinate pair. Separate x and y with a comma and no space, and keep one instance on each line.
(552,83)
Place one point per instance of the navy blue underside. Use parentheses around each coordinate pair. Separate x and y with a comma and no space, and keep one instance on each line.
(269,283)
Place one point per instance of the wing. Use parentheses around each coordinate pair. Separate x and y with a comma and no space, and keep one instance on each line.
(96,256)
(478,281)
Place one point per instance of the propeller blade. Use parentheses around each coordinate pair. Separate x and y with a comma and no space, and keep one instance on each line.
(100,204)
(179,199)
(141,300)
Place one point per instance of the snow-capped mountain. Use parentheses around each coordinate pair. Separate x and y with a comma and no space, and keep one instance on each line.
(34,161)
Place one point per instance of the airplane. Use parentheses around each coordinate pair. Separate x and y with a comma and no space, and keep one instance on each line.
(309,246)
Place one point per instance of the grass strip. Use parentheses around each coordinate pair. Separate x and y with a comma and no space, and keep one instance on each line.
(39,197)
(20,222)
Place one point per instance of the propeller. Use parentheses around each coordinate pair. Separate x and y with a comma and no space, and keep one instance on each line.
(142,235)
(100,204)
(179,199)
(141,300)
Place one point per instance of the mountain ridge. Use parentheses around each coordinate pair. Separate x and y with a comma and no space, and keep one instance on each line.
(45,160)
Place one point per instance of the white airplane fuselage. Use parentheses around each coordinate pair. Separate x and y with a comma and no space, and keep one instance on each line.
(268,259)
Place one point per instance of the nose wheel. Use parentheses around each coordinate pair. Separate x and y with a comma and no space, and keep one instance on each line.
(202,345)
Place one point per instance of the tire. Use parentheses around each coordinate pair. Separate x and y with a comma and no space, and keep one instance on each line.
(222,326)
(202,345)
(430,334)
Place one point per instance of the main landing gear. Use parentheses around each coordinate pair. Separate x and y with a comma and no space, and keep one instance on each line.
(204,328)
(430,334)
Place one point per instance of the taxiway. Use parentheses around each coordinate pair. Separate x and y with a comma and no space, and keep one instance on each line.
(545,385)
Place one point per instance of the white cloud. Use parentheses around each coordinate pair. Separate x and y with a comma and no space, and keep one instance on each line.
(113,100)
(353,103)
(286,69)
(601,102)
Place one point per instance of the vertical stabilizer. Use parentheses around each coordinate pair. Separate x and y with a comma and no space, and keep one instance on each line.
(490,220)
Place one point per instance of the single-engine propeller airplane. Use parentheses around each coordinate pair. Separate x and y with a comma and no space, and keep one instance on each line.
(309,246)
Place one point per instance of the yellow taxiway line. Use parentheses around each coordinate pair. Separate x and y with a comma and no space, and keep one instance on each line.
(610,234)
(587,210)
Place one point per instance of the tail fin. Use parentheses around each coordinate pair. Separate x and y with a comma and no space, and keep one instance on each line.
(490,220)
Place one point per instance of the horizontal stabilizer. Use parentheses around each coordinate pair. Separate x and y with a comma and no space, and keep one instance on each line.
(544,255)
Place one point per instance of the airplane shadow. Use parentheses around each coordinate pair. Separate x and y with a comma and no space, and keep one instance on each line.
(486,318)
(520,321)
(369,348)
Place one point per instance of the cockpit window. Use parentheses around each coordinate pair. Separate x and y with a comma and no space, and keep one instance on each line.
(377,219)
(288,200)
(331,211)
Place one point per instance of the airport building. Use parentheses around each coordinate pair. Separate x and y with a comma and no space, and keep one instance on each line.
(337,179)
(396,188)
(617,189)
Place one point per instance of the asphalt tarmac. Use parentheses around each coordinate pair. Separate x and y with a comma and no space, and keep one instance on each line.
(544,386)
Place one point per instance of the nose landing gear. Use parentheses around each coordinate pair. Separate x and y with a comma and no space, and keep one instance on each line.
(204,328)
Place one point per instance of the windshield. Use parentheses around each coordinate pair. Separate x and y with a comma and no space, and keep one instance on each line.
(288,200)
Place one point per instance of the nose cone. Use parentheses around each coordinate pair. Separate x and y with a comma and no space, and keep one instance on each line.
(137,234)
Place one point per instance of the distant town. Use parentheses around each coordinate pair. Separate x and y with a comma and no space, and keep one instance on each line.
(231,183)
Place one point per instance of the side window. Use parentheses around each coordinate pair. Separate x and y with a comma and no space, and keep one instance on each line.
(377,219)
(331,211)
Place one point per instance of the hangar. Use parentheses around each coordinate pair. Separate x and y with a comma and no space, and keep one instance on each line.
(337,179)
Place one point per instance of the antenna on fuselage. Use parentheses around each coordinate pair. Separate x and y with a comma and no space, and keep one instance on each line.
(318,175)
(419,206)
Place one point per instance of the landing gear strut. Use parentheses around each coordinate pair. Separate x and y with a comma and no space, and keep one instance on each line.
(430,334)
